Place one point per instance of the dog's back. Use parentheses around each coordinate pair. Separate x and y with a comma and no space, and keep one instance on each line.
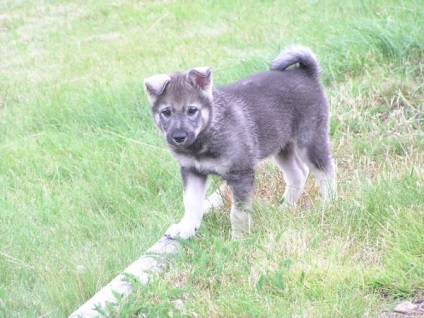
(281,102)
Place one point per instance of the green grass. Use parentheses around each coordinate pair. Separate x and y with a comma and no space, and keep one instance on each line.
(87,184)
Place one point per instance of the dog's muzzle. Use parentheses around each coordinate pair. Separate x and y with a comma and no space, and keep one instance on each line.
(179,137)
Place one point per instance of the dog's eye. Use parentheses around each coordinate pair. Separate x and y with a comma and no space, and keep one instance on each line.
(166,112)
(192,111)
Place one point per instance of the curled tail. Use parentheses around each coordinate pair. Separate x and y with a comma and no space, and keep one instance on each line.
(296,54)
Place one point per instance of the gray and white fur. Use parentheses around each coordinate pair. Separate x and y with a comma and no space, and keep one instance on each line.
(227,130)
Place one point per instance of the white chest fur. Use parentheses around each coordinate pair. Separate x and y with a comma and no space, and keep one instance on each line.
(205,165)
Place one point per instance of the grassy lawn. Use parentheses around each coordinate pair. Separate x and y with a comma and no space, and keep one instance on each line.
(87,183)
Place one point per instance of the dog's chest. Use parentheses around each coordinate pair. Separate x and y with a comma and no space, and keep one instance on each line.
(205,165)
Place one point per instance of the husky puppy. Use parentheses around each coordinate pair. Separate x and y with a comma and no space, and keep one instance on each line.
(227,130)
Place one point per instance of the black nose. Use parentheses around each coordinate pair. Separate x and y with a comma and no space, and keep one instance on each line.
(179,137)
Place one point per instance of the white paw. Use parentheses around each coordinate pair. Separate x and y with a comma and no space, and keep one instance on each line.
(182,230)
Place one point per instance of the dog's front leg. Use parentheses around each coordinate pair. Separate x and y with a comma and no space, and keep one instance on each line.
(194,195)
(241,184)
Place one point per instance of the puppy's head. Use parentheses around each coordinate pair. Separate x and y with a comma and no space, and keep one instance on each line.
(181,104)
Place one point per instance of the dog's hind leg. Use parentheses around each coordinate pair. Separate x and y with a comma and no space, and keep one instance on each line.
(317,157)
(295,173)
(241,184)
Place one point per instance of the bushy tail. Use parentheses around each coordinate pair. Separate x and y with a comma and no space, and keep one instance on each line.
(296,54)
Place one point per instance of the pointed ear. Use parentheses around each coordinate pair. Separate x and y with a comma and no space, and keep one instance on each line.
(201,77)
(155,85)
